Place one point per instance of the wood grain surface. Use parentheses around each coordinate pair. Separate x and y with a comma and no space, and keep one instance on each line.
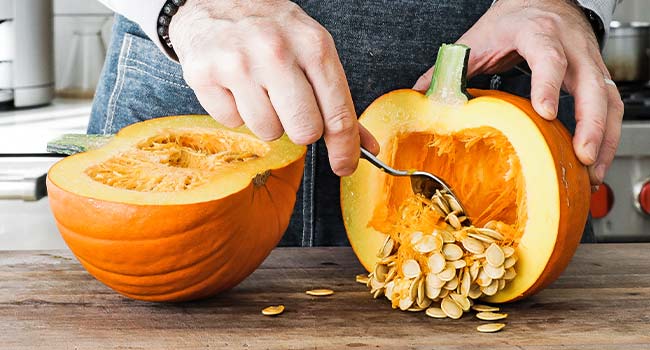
(48,301)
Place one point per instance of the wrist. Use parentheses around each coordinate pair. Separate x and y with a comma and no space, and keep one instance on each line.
(167,13)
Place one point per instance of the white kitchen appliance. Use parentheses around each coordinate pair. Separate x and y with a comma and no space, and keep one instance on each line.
(26,53)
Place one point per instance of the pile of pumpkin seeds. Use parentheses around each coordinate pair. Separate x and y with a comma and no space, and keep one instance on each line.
(448,269)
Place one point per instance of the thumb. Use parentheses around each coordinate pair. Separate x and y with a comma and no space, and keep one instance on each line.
(424,81)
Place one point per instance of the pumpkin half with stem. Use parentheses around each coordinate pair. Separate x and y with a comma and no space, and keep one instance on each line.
(506,164)
(176,208)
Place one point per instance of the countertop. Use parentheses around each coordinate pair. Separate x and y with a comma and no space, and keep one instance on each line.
(47,300)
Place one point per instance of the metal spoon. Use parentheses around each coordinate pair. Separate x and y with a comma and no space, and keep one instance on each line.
(421,182)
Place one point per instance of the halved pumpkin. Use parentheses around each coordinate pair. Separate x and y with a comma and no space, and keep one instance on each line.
(176,208)
(503,161)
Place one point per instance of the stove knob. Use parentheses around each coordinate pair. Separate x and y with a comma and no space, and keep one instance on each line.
(601,202)
(642,194)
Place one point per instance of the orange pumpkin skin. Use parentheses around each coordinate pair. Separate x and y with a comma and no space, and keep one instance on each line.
(177,252)
(572,181)
(574,199)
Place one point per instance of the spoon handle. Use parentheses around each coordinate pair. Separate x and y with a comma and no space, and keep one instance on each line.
(365,154)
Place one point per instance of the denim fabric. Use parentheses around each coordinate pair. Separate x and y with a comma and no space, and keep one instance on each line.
(379,51)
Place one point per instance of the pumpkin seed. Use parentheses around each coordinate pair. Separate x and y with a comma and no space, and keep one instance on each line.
(484,308)
(435,312)
(416,236)
(473,245)
(448,273)
(436,262)
(491,289)
(443,293)
(494,255)
(426,302)
(361,278)
(447,237)
(273,310)
(405,303)
(381,271)
(386,248)
(320,292)
(416,308)
(459,264)
(452,284)
(451,308)
(462,301)
(508,251)
(474,270)
(388,292)
(442,204)
(377,293)
(465,282)
(411,269)
(375,284)
(392,272)
(490,327)
(453,203)
(475,292)
(421,293)
(510,274)
(494,272)
(502,284)
(483,279)
(491,233)
(490,316)
(453,221)
(413,289)
(452,251)
(481,237)
(433,292)
(510,262)
(433,281)
(428,244)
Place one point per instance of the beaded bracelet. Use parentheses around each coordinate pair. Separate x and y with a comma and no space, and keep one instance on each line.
(165,17)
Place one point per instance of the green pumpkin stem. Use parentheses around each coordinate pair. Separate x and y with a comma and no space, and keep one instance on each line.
(449,75)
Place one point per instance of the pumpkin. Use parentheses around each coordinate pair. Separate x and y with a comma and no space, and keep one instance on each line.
(509,167)
(176,208)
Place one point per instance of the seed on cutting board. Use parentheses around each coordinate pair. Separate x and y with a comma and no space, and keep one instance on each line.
(494,255)
(433,281)
(411,269)
(361,278)
(435,312)
(322,292)
(451,308)
(273,310)
(452,284)
(388,290)
(484,308)
(490,316)
(490,327)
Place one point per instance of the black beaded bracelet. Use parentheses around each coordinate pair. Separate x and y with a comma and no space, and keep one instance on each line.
(165,17)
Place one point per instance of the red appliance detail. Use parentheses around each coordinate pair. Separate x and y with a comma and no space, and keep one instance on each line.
(603,200)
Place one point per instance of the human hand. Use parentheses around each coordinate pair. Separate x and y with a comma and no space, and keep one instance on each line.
(269,65)
(558,43)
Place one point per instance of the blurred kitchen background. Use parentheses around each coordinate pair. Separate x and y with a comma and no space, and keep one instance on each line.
(51,54)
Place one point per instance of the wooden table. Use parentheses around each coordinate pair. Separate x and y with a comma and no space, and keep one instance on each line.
(48,301)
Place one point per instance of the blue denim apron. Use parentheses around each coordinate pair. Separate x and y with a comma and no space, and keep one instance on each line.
(383,45)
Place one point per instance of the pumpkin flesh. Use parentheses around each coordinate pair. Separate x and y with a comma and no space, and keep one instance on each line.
(496,158)
(176,208)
